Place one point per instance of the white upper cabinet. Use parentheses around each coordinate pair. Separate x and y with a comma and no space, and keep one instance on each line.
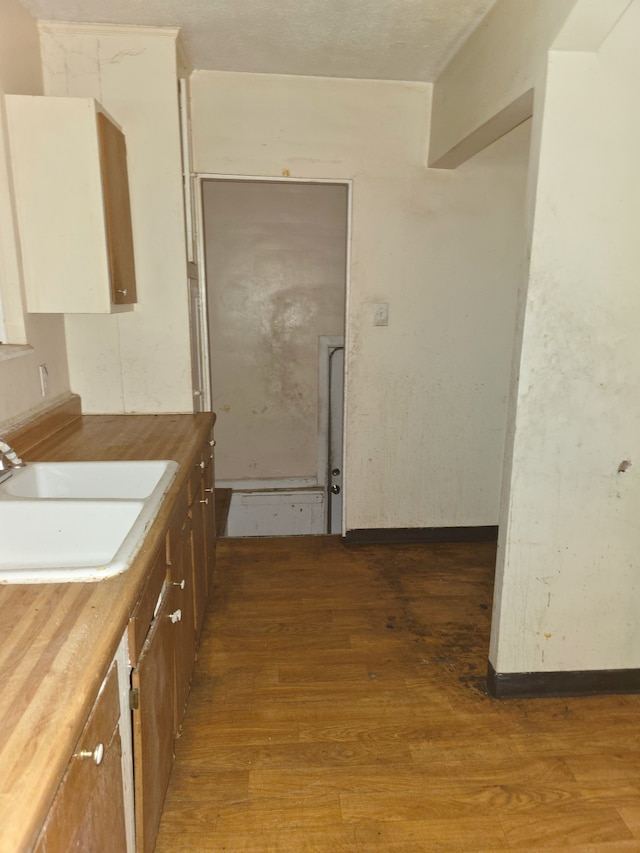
(72,200)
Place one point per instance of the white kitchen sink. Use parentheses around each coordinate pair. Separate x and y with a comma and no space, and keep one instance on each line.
(120,479)
(77,521)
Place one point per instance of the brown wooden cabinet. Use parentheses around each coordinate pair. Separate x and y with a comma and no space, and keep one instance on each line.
(199,556)
(182,574)
(209,515)
(163,634)
(72,196)
(117,211)
(88,812)
(202,509)
(152,695)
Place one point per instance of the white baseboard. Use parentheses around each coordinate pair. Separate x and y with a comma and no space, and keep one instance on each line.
(282,483)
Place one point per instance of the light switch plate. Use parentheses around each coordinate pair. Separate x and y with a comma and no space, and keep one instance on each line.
(380,313)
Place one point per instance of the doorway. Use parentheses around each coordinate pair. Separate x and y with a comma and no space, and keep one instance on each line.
(276,261)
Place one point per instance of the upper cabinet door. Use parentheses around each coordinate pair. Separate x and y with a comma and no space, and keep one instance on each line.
(72,200)
(115,183)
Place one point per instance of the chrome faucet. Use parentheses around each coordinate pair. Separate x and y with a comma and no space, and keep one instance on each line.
(9,460)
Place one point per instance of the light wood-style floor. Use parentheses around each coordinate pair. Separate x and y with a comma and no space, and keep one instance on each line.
(338,705)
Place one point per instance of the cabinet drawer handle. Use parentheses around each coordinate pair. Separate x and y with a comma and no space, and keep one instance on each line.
(176,616)
(209,490)
(96,754)
(200,465)
(205,501)
(123,292)
(212,442)
(181,584)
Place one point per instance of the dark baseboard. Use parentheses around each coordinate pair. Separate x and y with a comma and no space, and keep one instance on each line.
(534,685)
(409,535)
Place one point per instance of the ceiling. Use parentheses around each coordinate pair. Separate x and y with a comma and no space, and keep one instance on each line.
(370,39)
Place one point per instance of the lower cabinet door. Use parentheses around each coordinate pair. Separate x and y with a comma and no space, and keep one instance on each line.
(199,559)
(209,513)
(183,602)
(153,687)
(88,810)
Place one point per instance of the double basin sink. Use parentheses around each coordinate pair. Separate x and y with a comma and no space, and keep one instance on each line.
(77,521)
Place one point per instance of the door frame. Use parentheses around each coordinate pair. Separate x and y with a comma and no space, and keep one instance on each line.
(199,179)
(327,345)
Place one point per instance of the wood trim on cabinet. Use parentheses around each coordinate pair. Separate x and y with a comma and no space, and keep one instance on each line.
(117,209)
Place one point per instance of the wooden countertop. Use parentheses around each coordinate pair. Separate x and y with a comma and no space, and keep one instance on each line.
(57,640)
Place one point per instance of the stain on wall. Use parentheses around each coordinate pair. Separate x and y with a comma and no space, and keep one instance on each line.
(276,268)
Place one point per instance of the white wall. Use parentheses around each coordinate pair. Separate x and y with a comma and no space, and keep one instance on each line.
(426,395)
(20,393)
(502,60)
(276,267)
(139,361)
(567,581)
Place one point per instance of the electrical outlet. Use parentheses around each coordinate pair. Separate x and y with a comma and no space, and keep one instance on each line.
(44,379)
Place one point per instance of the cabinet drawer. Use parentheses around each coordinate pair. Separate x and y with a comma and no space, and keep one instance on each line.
(201,465)
(143,613)
(88,810)
(175,527)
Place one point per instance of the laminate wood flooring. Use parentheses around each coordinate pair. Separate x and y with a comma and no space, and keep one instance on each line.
(339,704)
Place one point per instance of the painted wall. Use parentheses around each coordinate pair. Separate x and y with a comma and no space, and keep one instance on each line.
(504,58)
(276,272)
(567,581)
(426,395)
(139,361)
(20,393)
